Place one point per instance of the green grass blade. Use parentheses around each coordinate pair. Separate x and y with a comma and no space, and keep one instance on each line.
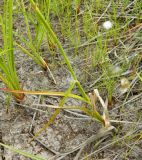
(139,76)
(48,93)
(24,153)
(7,63)
(26,21)
(52,119)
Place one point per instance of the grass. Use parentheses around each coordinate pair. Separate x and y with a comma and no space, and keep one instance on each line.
(30,42)
(8,72)
(75,30)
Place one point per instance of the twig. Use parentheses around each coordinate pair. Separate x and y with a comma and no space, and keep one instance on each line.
(51,75)
(31,126)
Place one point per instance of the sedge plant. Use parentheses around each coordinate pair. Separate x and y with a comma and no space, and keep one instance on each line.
(8,72)
(92,112)
(44,7)
(88,110)
(34,54)
(33,44)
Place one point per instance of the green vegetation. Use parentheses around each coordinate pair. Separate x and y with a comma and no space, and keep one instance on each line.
(8,72)
(103,42)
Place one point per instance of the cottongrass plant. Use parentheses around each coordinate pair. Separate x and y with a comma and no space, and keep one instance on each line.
(107,25)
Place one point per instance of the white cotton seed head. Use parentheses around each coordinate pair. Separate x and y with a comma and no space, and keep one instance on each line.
(124,86)
(125,83)
(107,25)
